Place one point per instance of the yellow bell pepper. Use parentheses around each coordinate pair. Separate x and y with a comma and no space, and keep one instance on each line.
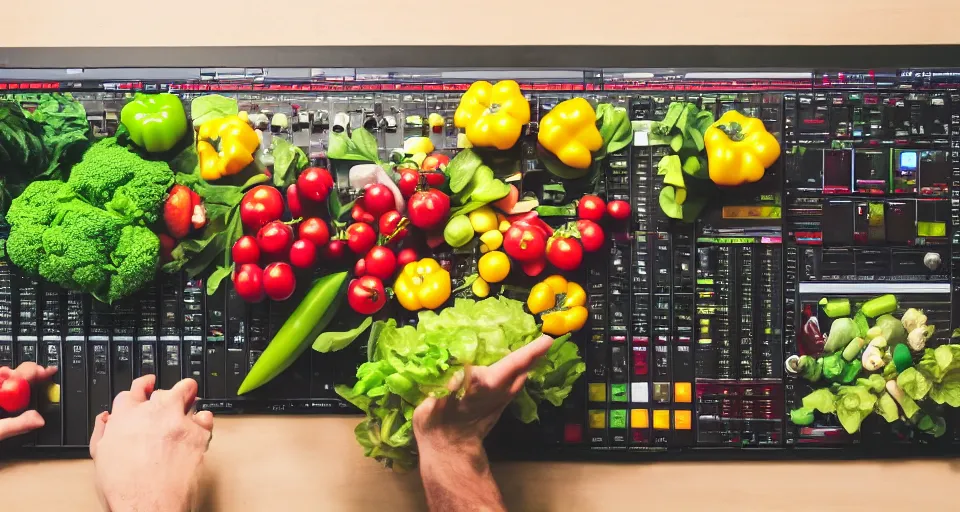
(567,316)
(493,115)
(739,149)
(237,143)
(422,284)
(570,131)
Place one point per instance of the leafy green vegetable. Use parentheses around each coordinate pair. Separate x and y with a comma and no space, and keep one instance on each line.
(683,126)
(833,366)
(615,127)
(334,341)
(842,332)
(874,383)
(854,403)
(802,416)
(212,106)
(914,383)
(461,168)
(361,146)
(892,329)
(288,160)
(821,400)
(887,407)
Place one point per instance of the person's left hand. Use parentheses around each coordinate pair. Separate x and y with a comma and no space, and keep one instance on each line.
(28,420)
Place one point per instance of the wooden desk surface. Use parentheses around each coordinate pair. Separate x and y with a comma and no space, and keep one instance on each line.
(297,463)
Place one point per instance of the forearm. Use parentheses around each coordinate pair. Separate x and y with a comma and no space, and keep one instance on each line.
(459,480)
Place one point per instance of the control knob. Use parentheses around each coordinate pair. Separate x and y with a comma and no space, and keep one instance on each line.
(932,260)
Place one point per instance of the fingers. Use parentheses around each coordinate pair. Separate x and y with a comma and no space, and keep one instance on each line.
(30,420)
(99,424)
(505,371)
(183,394)
(204,419)
(140,391)
(32,372)
(5,372)
(518,384)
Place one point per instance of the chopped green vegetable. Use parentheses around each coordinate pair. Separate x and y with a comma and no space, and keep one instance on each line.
(835,308)
(821,400)
(833,366)
(891,329)
(850,371)
(854,403)
(882,305)
(842,331)
(887,408)
(802,416)
(852,350)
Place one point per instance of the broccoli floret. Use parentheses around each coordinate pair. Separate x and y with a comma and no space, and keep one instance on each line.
(25,247)
(38,204)
(77,245)
(135,259)
(114,178)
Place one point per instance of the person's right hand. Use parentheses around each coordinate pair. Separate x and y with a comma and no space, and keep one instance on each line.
(149,450)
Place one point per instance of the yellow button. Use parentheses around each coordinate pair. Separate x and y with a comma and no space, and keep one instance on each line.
(598,419)
(682,420)
(639,418)
(597,392)
(682,393)
(661,420)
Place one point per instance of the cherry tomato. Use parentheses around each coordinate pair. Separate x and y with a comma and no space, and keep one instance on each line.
(279,282)
(535,267)
(334,250)
(405,256)
(360,214)
(366,295)
(245,250)
(564,253)
(260,205)
(303,253)
(381,262)
(315,230)
(389,224)
(428,208)
(360,268)
(591,208)
(524,242)
(410,179)
(378,199)
(618,209)
(361,238)
(14,393)
(275,238)
(248,282)
(591,235)
(435,162)
(293,201)
(315,184)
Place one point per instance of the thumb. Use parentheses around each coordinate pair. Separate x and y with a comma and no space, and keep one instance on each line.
(99,425)
(29,420)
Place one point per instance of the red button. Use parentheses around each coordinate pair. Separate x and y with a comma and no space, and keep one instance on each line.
(573,433)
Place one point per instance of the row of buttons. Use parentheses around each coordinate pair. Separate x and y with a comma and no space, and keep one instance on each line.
(640,392)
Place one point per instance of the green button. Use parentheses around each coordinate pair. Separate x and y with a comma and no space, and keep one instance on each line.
(618,418)
(618,392)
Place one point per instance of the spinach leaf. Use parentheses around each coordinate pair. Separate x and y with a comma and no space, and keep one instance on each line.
(212,106)
(334,341)
(461,168)
(288,160)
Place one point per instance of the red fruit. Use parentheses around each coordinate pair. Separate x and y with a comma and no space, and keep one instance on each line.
(428,208)
(360,238)
(380,262)
(260,205)
(248,282)
(334,250)
(315,230)
(303,254)
(275,238)
(378,199)
(167,243)
(366,295)
(390,226)
(177,211)
(405,256)
(360,268)
(279,282)
(564,253)
(198,215)
(435,162)
(293,201)
(14,393)
(591,208)
(591,235)
(315,184)
(535,267)
(618,209)
(524,243)
(245,250)
(360,214)
(409,179)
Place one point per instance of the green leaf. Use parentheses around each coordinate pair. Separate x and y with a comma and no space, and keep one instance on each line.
(887,408)
(213,282)
(676,142)
(615,127)
(821,400)
(466,208)
(674,175)
(673,115)
(461,168)
(366,144)
(556,211)
(863,326)
(850,419)
(914,383)
(372,340)
(697,138)
(334,341)
(874,383)
(212,106)
(288,161)
(948,390)
(802,416)
(668,203)
(667,164)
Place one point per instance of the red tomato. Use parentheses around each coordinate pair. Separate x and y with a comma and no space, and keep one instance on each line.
(591,208)
(564,253)
(248,282)
(405,256)
(334,250)
(428,208)
(315,230)
(361,238)
(303,253)
(177,211)
(366,295)
(275,238)
(245,250)
(315,184)
(409,179)
(591,235)
(279,281)
(14,393)
(381,262)
(359,214)
(360,268)
(378,199)
(524,242)
(293,201)
(535,267)
(390,226)
(434,162)
(618,209)
(167,243)
(260,205)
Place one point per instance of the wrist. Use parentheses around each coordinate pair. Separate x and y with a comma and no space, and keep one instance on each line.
(138,501)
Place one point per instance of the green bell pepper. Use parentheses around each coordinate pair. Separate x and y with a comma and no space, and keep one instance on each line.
(155,122)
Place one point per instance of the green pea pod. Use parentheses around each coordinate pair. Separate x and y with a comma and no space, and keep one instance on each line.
(300,330)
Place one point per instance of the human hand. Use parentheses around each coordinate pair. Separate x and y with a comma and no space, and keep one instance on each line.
(149,450)
(451,423)
(28,420)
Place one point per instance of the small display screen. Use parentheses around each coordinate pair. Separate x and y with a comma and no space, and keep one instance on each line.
(906,163)
(871,172)
(837,171)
